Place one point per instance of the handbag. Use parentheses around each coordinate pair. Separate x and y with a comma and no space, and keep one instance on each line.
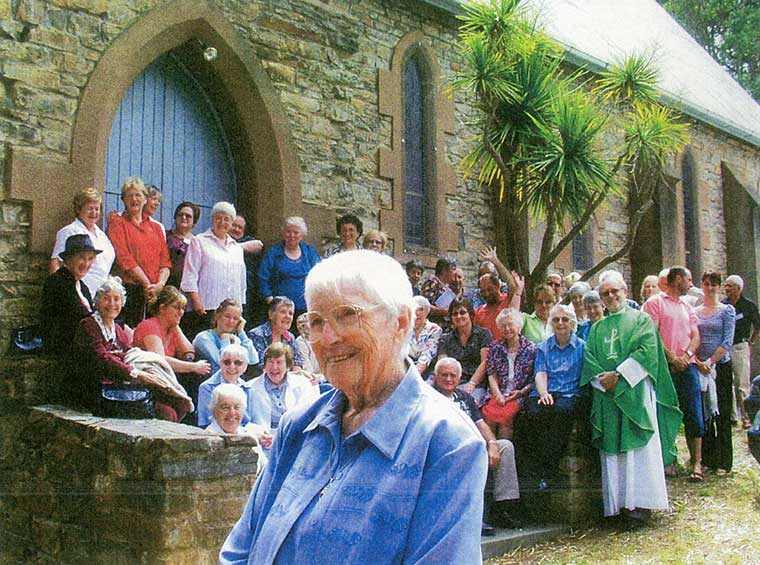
(124,402)
(26,340)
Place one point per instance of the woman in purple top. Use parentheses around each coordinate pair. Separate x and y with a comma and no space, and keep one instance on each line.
(186,215)
(716,329)
(510,373)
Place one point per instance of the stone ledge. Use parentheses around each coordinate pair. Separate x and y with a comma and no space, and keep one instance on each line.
(78,488)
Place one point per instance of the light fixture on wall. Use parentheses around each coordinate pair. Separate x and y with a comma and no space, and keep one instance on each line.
(210,54)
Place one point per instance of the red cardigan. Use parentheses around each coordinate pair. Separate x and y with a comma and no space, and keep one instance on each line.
(104,361)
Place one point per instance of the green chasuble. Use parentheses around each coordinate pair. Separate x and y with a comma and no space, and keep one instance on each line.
(619,420)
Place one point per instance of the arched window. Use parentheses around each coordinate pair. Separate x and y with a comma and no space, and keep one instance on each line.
(690,213)
(583,251)
(421,113)
(415,155)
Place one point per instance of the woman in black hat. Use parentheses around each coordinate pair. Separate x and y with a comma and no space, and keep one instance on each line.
(65,298)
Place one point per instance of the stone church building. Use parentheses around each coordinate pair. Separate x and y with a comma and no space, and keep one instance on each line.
(318,108)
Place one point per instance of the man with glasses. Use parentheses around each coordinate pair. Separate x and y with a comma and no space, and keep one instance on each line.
(634,415)
(554,280)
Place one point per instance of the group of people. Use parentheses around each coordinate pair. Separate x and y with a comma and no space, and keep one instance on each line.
(624,375)
(403,361)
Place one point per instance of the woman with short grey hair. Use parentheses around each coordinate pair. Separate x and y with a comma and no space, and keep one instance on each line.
(594,307)
(214,270)
(383,435)
(286,264)
(576,293)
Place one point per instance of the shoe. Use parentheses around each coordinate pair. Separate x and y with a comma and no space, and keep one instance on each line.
(696,477)
(636,518)
(487,530)
(746,424)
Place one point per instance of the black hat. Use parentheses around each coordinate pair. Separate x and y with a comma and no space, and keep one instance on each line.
(78,243)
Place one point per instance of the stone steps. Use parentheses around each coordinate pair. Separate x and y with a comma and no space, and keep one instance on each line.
(506,540)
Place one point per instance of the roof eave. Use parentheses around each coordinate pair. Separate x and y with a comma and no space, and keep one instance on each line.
(595,65)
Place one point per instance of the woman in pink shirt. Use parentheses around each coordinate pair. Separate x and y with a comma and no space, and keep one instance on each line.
(161,334)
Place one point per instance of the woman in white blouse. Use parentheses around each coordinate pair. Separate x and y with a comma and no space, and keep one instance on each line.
(87,209)
(214,270)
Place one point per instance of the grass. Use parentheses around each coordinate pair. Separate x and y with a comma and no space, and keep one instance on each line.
(713,522)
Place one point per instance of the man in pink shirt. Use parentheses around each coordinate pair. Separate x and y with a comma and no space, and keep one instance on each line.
(677,323)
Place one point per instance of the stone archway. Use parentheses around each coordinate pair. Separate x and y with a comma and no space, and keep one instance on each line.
(269,188)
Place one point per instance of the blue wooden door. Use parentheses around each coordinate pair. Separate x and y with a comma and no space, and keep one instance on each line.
(167,132)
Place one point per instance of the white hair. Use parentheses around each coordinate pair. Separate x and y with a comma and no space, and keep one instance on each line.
(227,390)
(567,310)
(236,351)
(297,221)
(422,302)
(377,277)
(612,277)
(736,280)
(450,362)
(579,289)
(663,274)
(510,314)
(224,208)
(111,284)
(591,297)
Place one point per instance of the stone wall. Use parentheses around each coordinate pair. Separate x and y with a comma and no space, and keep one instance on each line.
(81,489)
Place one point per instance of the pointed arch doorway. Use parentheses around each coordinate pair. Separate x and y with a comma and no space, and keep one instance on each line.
(168,132)
(268,176)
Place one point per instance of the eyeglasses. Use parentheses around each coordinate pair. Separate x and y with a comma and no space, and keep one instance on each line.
(236,362)
(609,291)
(184,215)
(554,284)
(374,242)
(562,319)
(460,313)
(344,319)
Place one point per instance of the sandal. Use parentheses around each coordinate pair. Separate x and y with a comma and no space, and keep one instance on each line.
(696,477)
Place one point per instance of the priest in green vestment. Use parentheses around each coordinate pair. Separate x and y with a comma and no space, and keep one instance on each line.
(634,415)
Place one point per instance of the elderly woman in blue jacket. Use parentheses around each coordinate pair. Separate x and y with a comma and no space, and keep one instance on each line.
(277,390)
(383,469)
(286,264)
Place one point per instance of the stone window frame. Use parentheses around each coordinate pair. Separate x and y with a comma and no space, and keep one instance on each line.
(441,236)
(689,195)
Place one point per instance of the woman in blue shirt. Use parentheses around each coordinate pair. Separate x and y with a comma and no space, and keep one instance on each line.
(383,469)
(550,412)
(228,325)
(285,265)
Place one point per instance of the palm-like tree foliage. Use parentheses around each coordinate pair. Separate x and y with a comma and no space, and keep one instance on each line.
(633,80)
(541,127)
(653,135)
(568,168)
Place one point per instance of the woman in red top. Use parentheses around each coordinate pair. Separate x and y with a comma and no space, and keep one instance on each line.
(161,334)
(141,252)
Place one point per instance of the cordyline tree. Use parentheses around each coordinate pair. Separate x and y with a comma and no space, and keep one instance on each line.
(543,129)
